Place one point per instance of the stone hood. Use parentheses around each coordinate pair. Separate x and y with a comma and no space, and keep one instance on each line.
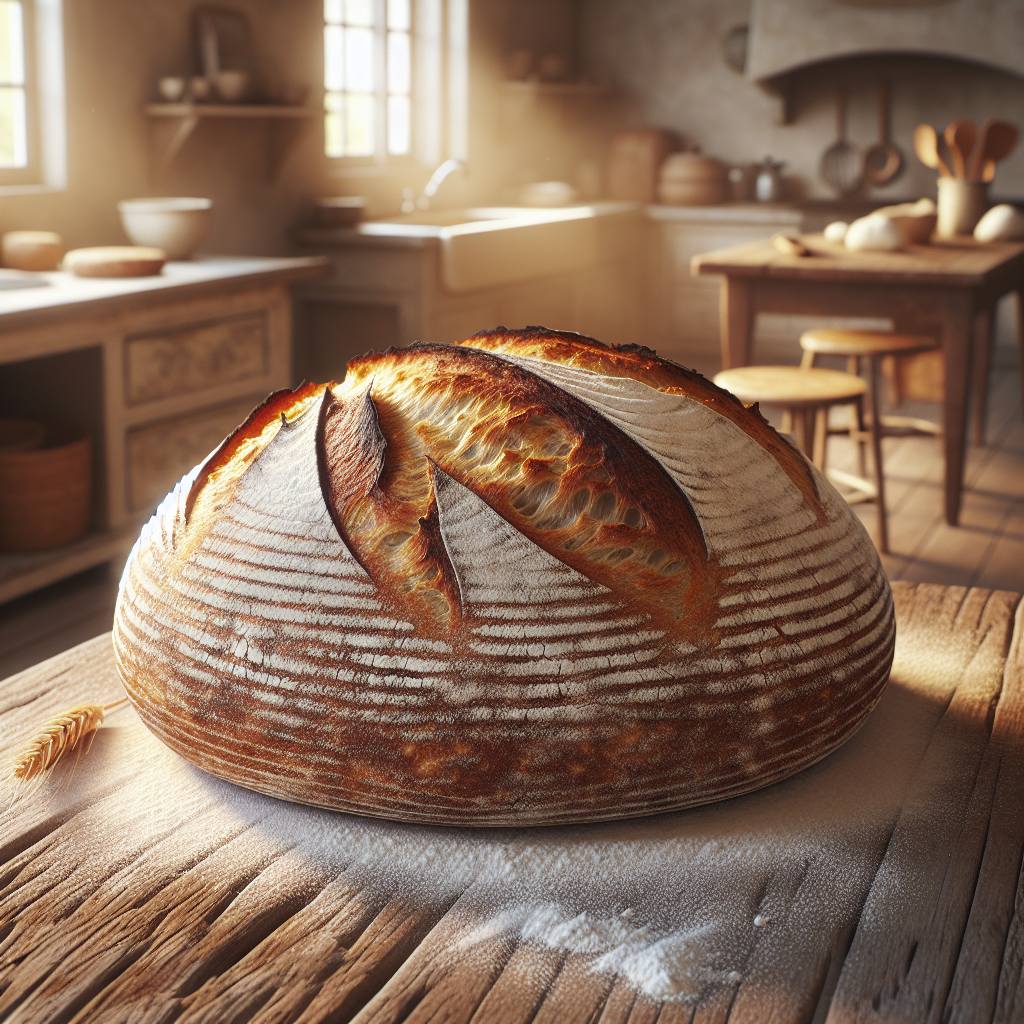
(789,34)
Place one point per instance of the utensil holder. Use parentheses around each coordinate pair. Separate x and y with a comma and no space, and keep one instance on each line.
(961,204)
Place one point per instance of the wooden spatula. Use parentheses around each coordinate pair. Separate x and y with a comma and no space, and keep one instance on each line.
(996,139)
(959,136)
(926,146)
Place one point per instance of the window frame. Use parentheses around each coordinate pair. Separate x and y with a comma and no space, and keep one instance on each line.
(380,156)
(46,116)
(31,173)
(439,105)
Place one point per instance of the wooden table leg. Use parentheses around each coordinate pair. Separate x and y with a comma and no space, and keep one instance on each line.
(984,321)
(956,346)
(1020,339)
(737,322)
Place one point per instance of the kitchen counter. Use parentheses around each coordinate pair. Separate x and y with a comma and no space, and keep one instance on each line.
(64,295)
(408,230)
(156,370)
(439,275)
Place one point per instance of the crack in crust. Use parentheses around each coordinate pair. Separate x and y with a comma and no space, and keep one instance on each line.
(560,473)
(646,366)
(394,537)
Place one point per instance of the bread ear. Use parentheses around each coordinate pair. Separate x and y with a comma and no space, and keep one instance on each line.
(561,474)
(644,365)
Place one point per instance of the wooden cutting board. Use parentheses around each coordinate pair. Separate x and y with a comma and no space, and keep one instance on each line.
(883,883)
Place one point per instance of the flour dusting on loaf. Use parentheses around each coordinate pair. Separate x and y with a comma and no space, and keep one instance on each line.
(525,579)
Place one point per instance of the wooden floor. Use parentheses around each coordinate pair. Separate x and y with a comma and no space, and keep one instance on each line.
(985,550)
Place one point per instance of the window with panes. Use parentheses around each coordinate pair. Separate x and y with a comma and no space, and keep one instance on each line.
(15,148)
(368,78)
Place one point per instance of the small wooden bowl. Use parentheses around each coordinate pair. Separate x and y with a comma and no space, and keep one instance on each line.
(340,211)
(916,230)
(31,250)
(115,261)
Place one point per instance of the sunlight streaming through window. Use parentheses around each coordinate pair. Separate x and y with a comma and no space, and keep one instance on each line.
(367,77)
(13,114)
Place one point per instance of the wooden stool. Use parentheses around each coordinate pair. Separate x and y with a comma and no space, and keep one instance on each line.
(805,396)
(872,346)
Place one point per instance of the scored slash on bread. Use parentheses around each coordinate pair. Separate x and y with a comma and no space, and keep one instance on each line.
(560,474)
(524,579)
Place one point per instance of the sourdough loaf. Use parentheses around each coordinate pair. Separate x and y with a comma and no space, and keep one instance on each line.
(524,579)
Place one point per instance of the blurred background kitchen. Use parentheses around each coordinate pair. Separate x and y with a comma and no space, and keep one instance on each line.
(384,171)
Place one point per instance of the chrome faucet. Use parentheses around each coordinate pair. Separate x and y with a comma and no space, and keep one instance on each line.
(430,189)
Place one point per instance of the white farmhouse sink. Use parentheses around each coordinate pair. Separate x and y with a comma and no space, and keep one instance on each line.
(483,247)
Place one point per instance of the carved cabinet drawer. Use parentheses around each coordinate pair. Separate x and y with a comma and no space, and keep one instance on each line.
(195,358)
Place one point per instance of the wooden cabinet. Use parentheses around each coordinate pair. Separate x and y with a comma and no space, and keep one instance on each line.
(156,370)
(682,310)
(196,357)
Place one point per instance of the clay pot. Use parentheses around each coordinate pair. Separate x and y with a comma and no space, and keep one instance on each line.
(691,179)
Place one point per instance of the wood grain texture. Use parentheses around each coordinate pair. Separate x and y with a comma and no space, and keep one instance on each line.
(882,883)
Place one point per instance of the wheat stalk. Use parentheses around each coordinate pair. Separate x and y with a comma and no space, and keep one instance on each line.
(71,731)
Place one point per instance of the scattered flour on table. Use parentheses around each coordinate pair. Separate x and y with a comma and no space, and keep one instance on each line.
(661,966)
(675,903)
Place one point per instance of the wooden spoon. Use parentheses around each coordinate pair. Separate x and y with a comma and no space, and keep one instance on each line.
(959,136)
(926,146)
(995,140)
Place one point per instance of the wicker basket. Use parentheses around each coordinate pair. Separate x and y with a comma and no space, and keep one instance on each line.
(21,435)
(45,493)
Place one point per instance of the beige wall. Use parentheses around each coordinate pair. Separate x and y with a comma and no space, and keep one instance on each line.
(665,58)
(115,50)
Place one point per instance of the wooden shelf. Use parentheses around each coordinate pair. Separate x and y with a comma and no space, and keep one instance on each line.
(23,572)
(285,125)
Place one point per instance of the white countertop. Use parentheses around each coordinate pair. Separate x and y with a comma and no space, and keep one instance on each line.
(63,290)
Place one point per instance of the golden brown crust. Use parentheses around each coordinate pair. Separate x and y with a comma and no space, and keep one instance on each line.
(218,477)
(644,365)
(560,473)
(394,537)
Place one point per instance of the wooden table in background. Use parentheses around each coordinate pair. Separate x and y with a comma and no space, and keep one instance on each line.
(947,289)
(883,883)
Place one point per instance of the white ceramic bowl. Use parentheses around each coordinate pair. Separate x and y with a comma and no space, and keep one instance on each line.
(176,224)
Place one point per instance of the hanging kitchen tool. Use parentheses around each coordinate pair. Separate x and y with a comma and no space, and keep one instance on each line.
(841,163)
(882,160)
(996,139)
(959,136)
(926,146)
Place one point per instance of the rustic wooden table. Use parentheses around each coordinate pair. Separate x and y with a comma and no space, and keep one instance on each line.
(884,883)
(946,289)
